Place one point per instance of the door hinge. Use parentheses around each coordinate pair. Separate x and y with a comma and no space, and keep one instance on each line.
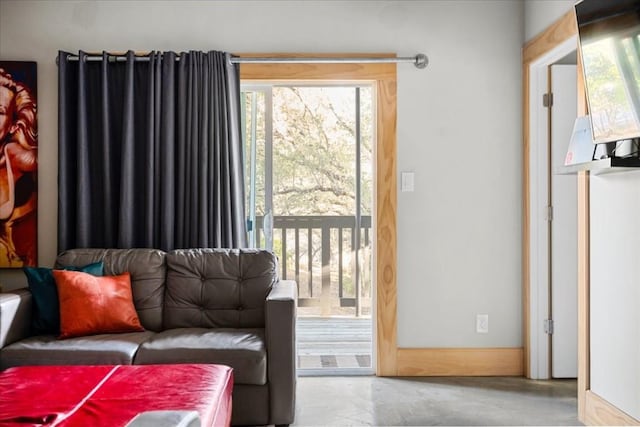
(548,326)
(547,100)
(549,213)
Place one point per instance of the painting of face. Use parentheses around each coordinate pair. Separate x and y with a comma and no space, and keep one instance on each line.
(18,164)
(6,110)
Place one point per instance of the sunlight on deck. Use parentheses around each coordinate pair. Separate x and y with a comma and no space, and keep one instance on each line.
(334,342)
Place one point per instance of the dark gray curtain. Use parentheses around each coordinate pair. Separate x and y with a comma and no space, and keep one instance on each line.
(150,152)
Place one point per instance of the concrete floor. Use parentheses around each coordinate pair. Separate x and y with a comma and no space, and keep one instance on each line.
(356,401)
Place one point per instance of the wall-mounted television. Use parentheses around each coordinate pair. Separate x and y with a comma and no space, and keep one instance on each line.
(609,33)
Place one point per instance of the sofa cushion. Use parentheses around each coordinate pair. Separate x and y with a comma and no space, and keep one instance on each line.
(46,310)
(106,349)
(242,349)
(218,288)
(92,305)
(147,269)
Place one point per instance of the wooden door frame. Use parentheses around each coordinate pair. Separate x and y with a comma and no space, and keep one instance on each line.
(540,46)
(539,182)
(592,409)
(383,76)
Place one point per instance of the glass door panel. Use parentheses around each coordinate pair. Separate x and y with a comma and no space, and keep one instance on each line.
(309,169)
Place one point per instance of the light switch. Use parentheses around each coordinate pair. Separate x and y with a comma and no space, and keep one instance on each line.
(406,181)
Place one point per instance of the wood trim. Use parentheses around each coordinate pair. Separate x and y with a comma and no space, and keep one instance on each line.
(584,269)
(602,413)
(386,237)
(584,362)
(558,32)
(384,76)
(460,361)
(564,28)
(338,71)
(583,109)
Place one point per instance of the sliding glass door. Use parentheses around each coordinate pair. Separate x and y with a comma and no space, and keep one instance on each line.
(309,156)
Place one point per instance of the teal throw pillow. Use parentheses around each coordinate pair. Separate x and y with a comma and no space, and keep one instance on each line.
(45,317)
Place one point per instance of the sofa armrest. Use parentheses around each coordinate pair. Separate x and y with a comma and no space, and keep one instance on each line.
(15,316)
(280,331)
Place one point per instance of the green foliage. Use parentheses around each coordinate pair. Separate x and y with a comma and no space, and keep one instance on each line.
(314,167)
(609,95)
(313,136)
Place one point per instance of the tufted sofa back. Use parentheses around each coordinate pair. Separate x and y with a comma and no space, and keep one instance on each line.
(217,288)
(148,271)
(190,288)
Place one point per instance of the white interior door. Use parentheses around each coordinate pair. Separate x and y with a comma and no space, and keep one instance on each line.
(564,240)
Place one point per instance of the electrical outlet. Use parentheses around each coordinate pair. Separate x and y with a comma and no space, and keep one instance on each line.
(482,323)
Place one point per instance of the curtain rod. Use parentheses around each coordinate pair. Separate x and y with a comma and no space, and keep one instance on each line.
(420,60)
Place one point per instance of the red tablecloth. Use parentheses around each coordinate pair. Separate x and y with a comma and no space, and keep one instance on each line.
(112,395)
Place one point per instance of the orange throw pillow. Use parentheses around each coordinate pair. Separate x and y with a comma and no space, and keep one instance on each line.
(92,305)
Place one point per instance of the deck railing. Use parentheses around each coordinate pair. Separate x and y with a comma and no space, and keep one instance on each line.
(328,259)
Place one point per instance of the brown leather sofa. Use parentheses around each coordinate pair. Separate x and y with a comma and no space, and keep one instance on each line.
(197,306)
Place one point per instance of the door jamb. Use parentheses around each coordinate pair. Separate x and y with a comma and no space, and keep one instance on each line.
(539,364)
(588,403)
(384,79)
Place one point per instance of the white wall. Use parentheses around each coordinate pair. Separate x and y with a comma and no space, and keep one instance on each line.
(539,14)
(459,127)
(615,289)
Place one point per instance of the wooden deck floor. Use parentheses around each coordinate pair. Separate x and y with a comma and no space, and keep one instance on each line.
(334,342)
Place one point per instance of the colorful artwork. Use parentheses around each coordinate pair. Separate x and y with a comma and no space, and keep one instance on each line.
(18,164)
